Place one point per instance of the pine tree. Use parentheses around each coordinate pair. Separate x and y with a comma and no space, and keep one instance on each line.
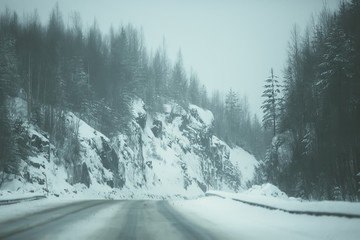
(9,85)
(194,92)
(179,82)
(270,105)
(157,83)
(232,110)
(9,151)
(9,77)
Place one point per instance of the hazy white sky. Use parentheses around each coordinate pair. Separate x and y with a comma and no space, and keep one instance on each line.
(228,43)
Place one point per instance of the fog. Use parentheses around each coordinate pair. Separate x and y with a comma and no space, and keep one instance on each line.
(229,44)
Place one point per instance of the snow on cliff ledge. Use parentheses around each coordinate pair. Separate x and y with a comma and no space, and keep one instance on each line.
(205,116)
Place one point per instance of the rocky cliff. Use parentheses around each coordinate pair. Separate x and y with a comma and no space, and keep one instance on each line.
(172,153)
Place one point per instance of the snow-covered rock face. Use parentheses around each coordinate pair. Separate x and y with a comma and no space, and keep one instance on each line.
(177,153)
(98,162)
(168,154)
(139,112)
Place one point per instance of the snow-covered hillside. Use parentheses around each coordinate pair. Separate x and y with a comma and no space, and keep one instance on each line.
(172,153)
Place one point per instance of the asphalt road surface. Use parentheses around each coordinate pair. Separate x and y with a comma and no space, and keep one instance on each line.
(132,220)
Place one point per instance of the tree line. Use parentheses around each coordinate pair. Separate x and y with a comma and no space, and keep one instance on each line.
(318,111)
(57,68)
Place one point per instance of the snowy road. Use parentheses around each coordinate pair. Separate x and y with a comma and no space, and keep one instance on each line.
(203,218)
(102,219)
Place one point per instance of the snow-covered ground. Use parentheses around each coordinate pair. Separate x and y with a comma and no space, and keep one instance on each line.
(270,195)
(236,220)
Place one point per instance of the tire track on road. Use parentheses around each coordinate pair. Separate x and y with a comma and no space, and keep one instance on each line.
(36,220)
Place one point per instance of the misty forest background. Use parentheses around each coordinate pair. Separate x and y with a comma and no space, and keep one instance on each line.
(313,107)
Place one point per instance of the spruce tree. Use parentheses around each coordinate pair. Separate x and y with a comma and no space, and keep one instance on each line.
(179,82)
(270,104)
(194,91)
(232,110)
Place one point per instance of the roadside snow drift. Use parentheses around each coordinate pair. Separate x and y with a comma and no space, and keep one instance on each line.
(269,195)
(234,220)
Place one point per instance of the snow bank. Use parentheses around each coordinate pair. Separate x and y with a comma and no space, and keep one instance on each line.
(8,195)
(267,190)
(234,220)
(270,195)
